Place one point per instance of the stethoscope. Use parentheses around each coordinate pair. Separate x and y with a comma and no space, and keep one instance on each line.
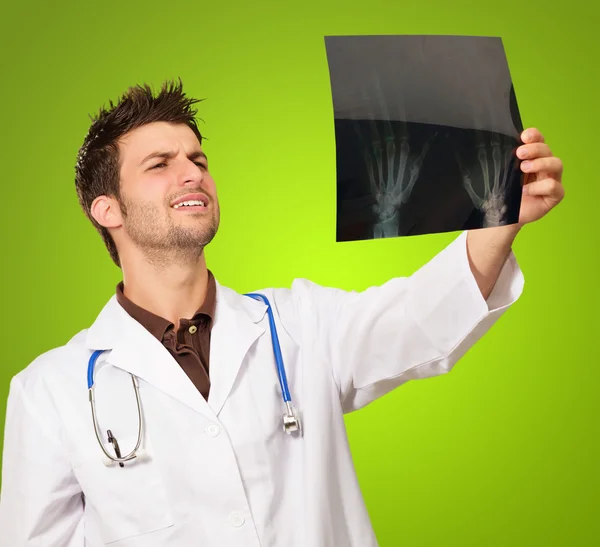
(291,420)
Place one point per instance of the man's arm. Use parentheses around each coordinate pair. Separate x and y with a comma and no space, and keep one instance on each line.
(41,503)
(487,251)
(421,326)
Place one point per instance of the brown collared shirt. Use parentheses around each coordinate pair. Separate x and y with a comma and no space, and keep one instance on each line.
(190,343)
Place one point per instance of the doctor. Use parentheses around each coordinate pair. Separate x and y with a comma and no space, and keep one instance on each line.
(214,466)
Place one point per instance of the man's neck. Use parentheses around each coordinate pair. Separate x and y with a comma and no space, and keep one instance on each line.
(172,291)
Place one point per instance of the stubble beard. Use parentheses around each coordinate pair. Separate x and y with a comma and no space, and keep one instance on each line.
(161,240)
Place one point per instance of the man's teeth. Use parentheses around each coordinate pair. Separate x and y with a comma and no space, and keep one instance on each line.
(190,203)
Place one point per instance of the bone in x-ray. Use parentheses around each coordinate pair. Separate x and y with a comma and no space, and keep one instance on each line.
(426,131)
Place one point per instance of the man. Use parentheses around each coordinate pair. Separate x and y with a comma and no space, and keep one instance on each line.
(218,469)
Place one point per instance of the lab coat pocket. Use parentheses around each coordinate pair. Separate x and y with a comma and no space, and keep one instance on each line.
(123,502)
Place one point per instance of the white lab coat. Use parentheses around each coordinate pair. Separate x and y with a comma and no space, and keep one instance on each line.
(222,473)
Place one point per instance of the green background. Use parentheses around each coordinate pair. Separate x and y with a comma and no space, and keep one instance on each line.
(501,452)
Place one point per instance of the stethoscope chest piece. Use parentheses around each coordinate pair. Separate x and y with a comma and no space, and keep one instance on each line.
(291,420)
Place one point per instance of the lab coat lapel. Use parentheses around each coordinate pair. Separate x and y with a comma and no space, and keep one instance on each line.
(234,331)
(135,350)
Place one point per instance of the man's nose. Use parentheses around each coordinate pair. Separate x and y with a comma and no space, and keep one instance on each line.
(190,174)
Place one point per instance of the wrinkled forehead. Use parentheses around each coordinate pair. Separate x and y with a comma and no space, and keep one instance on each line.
(155,137)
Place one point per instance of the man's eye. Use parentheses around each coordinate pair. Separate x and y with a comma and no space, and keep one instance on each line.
(163,164)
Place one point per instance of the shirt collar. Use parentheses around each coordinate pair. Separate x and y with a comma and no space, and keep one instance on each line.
(157,325)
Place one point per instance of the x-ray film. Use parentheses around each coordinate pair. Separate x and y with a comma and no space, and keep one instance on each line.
(426,132)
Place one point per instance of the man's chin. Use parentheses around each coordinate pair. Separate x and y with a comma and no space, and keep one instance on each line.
(197,238)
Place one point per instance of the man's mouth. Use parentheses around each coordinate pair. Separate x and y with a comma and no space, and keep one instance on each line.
(190,203)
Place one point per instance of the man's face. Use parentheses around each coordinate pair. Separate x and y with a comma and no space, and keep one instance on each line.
(168,197)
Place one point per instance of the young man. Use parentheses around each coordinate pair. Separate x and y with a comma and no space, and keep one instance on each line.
(218,469)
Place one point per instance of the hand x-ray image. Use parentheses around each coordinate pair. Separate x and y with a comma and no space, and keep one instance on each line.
(426,132)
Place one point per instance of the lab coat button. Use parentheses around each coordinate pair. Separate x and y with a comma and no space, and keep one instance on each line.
(212,430)
(237,519)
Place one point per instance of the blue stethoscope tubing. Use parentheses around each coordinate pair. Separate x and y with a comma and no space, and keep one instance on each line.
(276,348)
(291,421)
(135,453)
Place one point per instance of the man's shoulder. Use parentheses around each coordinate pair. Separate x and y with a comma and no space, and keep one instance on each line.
(293,306)
(298,286)
(59,362)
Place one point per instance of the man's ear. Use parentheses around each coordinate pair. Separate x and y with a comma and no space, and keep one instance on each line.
(106,211)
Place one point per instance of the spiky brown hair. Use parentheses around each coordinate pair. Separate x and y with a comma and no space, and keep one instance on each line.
(97,171)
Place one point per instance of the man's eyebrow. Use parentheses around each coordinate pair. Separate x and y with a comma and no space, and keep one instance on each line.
(198,154)
(169,155)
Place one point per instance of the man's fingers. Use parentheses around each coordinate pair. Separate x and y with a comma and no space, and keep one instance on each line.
(547,187)
(532,135)
(534,150)
(549,165)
